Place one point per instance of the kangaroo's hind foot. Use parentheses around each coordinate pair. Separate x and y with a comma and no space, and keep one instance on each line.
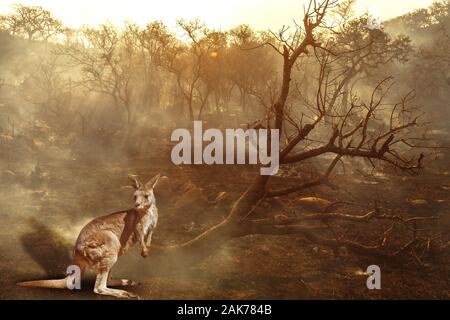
(101,288)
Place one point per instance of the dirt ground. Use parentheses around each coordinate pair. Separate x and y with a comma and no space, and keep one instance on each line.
(41,222)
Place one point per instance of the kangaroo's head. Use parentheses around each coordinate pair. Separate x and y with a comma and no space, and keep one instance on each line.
(143,194)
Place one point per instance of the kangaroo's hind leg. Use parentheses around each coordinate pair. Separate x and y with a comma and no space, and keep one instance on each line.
(107,258)
(103,251)
(101,288)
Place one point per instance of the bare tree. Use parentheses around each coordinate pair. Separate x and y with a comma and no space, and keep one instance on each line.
(187,63)
(48,87)
(373,139)
(33,22)
(154,41)
(252,66)
(362,49)
(106,59)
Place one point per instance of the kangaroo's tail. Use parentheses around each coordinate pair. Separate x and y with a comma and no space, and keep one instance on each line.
(65,283)
(54,284)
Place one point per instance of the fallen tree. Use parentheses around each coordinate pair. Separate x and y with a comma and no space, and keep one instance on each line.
(372,130)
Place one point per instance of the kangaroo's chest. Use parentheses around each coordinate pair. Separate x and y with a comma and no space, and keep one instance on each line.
(150,220)
(146,223)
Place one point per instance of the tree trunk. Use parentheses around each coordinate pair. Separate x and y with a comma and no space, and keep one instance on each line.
(83,126)
(202,106)
(177,257)
(244,102)
(191,109)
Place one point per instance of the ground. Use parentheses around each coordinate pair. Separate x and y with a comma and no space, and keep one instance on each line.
(41,222)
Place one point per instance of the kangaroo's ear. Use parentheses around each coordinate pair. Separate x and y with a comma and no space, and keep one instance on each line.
(135,182)
(152,182)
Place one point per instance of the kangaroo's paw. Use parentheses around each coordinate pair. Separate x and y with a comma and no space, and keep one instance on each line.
(144,252)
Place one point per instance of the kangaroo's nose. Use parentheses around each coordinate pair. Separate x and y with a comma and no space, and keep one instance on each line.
(136,204)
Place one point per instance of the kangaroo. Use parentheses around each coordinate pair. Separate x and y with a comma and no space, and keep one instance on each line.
(103,240)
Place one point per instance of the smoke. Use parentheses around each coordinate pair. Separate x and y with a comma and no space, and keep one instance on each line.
(68,140)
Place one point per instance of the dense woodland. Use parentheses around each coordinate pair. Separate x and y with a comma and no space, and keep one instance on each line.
(363,109)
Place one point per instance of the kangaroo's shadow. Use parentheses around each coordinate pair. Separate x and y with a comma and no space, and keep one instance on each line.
(47,248)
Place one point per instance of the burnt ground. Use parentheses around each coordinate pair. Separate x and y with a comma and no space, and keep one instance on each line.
(42,217)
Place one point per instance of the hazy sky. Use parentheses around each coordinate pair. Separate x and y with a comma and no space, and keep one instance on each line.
(262,14)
